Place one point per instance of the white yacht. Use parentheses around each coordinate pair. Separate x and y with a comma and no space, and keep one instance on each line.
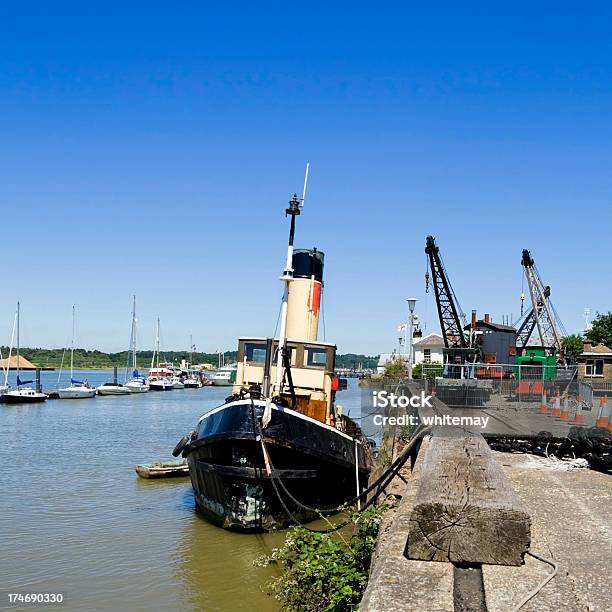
(225,376)
(137,384)
(77,389)
(112,388)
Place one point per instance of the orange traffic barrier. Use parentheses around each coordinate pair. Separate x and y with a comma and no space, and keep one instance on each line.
(556,411)
(544,404)
(565,409)
(603,416)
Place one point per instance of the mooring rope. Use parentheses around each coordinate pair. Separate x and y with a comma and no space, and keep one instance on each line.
(542,584)
(381,482)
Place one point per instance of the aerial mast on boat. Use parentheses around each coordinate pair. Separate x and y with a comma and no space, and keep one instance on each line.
(295,206)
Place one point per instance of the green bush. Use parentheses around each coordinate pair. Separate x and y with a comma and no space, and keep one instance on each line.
(396,368)
(322,572)
(432,370)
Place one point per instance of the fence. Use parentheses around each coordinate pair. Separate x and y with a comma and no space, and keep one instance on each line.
(509,387)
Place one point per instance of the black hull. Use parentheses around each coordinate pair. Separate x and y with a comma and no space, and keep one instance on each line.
(11,399)
(316,463)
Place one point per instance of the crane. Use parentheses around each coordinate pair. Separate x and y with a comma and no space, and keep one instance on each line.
(542,315)
(459,348)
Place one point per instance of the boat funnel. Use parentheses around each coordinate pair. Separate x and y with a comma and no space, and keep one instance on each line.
(304,298)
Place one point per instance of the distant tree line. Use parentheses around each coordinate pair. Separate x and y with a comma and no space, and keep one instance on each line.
(84,359)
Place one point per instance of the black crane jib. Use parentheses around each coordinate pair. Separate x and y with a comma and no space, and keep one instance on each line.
(450,323)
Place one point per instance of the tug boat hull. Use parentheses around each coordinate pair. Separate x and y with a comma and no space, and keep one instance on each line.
(315,462)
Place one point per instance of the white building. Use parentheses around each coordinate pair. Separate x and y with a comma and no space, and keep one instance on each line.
(428,349)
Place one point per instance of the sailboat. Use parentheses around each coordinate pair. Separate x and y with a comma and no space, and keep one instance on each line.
(160,376)
(77,389)
(138,383)
(280,436)
(5,386)
(22,394)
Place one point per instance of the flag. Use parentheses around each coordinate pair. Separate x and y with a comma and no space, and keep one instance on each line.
(402,327)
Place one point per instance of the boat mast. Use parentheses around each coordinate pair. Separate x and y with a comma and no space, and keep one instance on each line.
(18,308)
(294,210)
(155,347)
(157,342)
(72,347)
(8,363)
(133,339)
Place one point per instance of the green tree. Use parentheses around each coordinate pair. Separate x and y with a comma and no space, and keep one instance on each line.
(573,345)
(601,329)
(395,368)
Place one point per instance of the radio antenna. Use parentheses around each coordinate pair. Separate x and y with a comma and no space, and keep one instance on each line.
(305,184)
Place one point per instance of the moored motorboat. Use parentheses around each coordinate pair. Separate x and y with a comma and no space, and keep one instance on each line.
(112,388)
(160,384)
(279,439)
(225,376)
(192,383)
(137,384)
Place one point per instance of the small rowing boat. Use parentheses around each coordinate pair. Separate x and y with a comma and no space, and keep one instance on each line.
(163,469)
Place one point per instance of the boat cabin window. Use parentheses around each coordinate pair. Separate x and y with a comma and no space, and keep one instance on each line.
(316,357)
(255,353)
(292,355)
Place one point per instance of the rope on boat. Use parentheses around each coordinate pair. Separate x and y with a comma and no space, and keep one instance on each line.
(381,482)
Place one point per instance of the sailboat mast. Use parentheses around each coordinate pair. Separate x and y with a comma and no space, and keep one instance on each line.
(8,363)
(18,309)
(72,347)
(157,342)
(134,334)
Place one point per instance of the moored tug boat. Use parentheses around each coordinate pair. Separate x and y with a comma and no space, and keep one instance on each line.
(278,449)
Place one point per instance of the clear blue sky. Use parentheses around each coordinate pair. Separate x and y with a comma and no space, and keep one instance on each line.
(150,148)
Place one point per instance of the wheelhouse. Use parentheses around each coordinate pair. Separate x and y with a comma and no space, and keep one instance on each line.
(312,372)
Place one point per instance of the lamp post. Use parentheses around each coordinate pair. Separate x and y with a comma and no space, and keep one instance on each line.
(411,306)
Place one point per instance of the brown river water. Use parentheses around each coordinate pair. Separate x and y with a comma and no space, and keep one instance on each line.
(75,519)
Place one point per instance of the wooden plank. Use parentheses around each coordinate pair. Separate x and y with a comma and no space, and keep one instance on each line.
(466,510)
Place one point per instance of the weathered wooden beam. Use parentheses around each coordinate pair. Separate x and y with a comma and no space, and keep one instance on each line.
(466,510)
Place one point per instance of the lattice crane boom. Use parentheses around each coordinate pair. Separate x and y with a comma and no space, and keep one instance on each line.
(541,316)
(448,311)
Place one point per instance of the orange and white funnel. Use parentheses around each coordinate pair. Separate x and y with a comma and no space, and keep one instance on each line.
(304,294)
